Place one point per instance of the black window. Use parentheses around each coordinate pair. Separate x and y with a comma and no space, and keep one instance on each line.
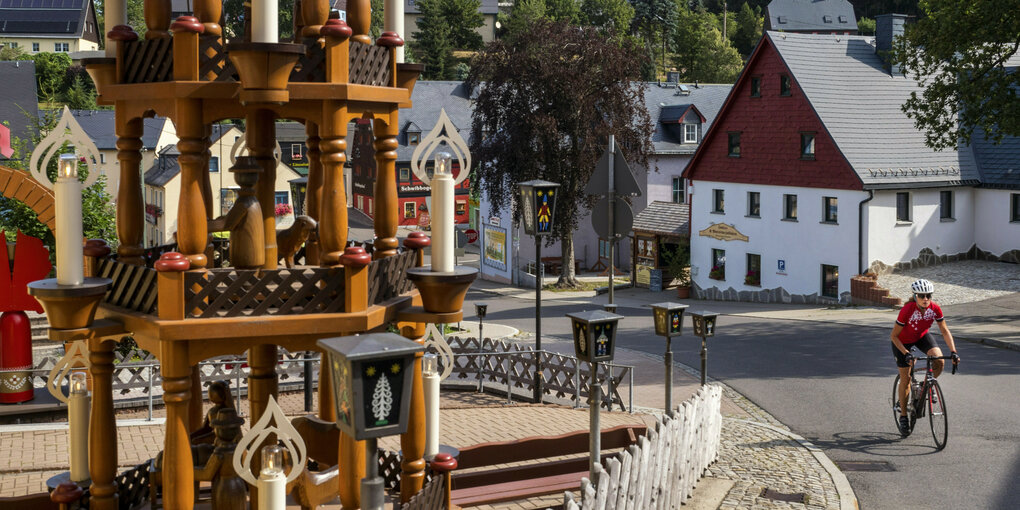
(946,205)
(903,206)
(784,85)
(718,271)
(413,137)
(718,203)
(734,145)
(679,196)
(1014,207)
(807,146)
(753,276)
(756,86)
(829,209)
(214,164)
(790,207)
(35,46)
(754,204)
(830,281)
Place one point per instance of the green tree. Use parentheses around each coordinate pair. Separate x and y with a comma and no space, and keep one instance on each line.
(80,96)
(701,53)
(567,11)
(433,42)
(653,22)
(748,29)
(614,16)
(547,102)
(51,75)
(463,17)
(958,51)
(377,18)
(866,26)
(525,13)
(8,53)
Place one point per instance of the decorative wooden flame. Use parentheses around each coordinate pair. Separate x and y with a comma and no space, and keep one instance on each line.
(444,131)
(244,454)
(78,354)
(240,148)
(67,130)
(434,338)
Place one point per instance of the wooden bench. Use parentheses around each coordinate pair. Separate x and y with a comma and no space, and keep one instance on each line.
(536,474)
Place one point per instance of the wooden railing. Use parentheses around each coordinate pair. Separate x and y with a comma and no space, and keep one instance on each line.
(370,65)
(133,287)
(238,292)
(147,61)
(387,278)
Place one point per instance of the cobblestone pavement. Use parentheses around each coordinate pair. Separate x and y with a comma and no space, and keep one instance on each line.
(965,281)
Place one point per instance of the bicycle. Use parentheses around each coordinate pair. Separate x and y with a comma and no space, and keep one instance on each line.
(925,397)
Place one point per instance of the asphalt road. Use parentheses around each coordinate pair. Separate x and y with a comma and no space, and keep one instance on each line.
(832,384)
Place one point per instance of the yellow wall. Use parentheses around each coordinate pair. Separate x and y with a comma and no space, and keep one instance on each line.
(46,44)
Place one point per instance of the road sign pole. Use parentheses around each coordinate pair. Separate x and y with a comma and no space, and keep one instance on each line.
(612,205)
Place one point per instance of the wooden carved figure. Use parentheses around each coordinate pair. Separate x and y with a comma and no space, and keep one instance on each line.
(244,220)
(290,240)
(229,491)
(219,395)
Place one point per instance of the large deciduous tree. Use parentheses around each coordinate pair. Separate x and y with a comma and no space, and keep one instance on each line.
(547,102)
(958,51)
(701,52)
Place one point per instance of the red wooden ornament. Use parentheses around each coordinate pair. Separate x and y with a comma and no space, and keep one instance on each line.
(172,261)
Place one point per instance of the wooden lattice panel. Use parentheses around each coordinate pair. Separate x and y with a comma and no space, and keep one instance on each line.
(148,61)
(153,254)
(133,287)
(233,292)
(387,278)
(310,67)
(213,60)
(369,65)
(431,497)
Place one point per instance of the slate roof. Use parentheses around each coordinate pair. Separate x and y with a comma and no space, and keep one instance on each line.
(101,128)
(17,81)
(428,98)
(47,18)
(811,16)
(661,102)
(664,218)
(164,168)
(859,103)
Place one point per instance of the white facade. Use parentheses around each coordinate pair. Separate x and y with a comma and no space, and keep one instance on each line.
(891,240)
(802,245)
(994,230)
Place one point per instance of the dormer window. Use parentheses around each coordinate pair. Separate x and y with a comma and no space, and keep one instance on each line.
(690,133)
(295,151)
(413,137)
(827,19)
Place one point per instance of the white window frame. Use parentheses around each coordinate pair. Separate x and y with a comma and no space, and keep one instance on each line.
(690,133)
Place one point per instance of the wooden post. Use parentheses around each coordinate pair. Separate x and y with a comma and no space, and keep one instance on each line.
(157,19)
(195,405)
(260,135)
(178,466)
(444,464)
(102,428)
(338,48)
(192,229)
(314,14)
(359,16)
(186,31)
(262,382)
(327,406)
(313,190)
(209,12)
(392,41)
(170,285)
(129,193)
(355,261)
(385,211)
(333,209)
(412,442)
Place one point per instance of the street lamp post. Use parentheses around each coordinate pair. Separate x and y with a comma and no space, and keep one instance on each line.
(538,204)
(669,322)
(480,309)
(704,327)
(594,342)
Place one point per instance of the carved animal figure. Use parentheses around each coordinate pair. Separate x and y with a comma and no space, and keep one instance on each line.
(290,240)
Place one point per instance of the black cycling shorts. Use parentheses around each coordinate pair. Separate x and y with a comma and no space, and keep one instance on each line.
(924,344)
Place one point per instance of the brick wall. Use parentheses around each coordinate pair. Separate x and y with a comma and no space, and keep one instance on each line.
(864,290)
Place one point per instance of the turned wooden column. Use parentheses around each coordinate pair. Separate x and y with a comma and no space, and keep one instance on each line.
(130,211)
(102,428)
(260,135)
(333,207)
(314,14)
(327,406)
(352,453)
(209,13)
(157,19)
(412,442)
(359,17)
(178,466)
(385,212)
(313,190)
(195,404)
(192,229)
(262,382)
(207,194)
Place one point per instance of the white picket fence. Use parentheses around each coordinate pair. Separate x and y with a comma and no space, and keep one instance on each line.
(660,472)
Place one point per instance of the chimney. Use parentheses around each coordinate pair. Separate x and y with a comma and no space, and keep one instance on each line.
(887,28)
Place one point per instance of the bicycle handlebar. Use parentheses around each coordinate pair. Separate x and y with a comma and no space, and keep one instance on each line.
(930,358)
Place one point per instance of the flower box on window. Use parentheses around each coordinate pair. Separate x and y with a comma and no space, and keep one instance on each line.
(753,278)
(717,273)
(283,209)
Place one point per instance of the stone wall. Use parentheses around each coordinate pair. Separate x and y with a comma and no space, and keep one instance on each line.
(776,295)
(927,257)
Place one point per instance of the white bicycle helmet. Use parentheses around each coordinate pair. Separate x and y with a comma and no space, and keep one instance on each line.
(922,286)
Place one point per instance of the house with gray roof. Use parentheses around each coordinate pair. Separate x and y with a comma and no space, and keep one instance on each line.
(812,173)
(811,16)
(58,26)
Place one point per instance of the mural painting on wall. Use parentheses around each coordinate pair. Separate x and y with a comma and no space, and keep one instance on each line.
(27,261)
(495,246)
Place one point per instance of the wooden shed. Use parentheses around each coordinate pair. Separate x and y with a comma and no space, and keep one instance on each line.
(658,230)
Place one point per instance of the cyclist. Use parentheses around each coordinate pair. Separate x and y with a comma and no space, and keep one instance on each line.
(911,330)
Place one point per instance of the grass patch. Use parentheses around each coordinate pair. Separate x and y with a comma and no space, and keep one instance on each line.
(586,285)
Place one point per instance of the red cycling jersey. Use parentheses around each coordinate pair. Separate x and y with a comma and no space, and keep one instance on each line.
(916,321)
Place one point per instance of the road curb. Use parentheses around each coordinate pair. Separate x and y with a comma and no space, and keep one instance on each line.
(847,498)
(991,342)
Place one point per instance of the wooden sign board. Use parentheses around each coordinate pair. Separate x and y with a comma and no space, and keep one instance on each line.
(723,232)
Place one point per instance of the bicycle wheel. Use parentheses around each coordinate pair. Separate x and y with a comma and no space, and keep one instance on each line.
(937,415)
(896,405)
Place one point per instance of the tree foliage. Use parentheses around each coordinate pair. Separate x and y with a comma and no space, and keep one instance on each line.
(443,27)
(51,74)
(701,52)
(748,30)
(9,53)
(866,26)
(614,16)
(547,102)
(957,51)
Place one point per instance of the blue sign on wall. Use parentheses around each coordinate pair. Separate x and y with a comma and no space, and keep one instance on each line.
(782,266)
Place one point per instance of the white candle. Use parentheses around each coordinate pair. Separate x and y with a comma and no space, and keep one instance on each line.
(443,235)
(393,21)
(272,484)
(430,376)
(264,24)
(78,426)
(67,195)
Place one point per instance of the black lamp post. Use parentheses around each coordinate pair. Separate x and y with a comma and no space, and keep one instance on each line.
(538,204)
(669,322)
(594,342)
(704,326)
(298,190)
(480,309)
(372,389)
